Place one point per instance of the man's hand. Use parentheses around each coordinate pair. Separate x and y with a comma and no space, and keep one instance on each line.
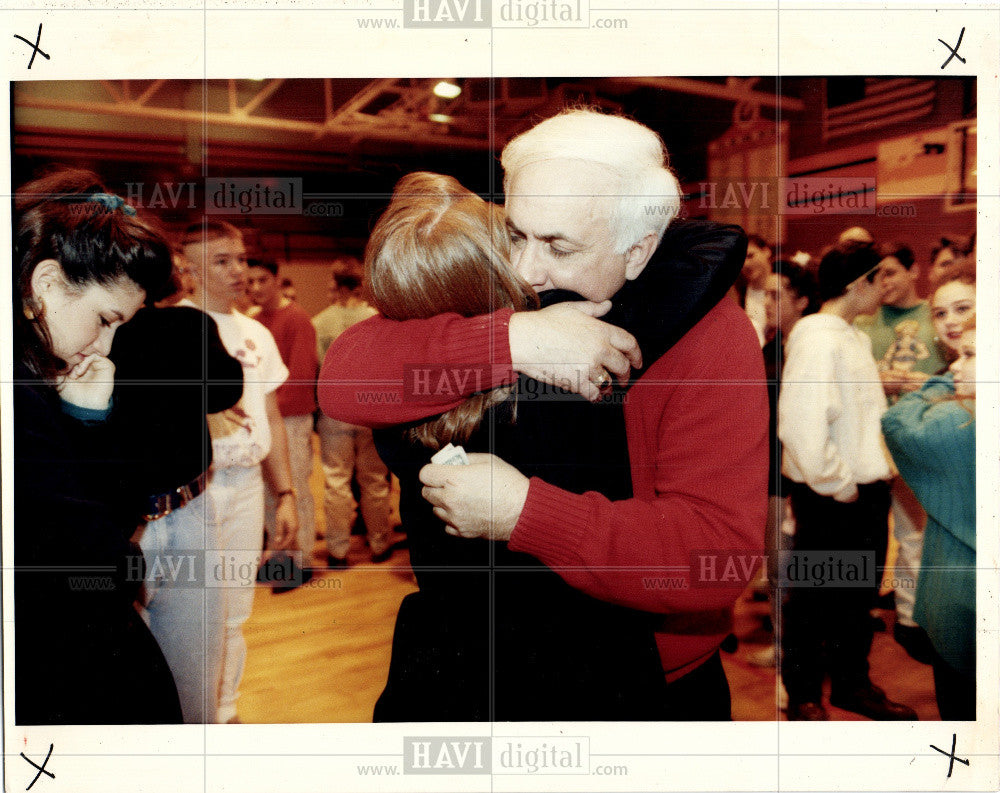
(278,473)
(896,382)
(286,524)
(89,384)
(481,499)
(566,346)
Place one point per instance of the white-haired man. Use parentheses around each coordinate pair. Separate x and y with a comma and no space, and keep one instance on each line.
(589,197)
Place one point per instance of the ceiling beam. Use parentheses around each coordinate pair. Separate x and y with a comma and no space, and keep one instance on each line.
(376,129)
(687,85)
(113,89)
(148,93)
(262,96)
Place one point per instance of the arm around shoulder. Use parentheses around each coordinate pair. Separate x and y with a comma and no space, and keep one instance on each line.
(364,377)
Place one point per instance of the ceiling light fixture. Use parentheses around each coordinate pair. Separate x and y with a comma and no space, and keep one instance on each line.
(447,90)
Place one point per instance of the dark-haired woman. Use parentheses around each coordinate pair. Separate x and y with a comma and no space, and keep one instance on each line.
(83,265)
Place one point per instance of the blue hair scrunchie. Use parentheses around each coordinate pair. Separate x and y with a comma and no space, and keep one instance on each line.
(113,202)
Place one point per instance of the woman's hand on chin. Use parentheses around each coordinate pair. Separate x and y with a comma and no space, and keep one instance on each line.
(89,384)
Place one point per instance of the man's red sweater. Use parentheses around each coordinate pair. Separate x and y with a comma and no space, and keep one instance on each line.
(696,423)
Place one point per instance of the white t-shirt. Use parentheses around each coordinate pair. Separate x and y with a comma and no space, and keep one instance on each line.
(241,435)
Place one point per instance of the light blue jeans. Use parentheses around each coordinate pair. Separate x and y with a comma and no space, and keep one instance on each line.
(236,515)
(183,614)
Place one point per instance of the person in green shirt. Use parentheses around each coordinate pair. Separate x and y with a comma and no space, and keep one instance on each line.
(906,348)
(906,357)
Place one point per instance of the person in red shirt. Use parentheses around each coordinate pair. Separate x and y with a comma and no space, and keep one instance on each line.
(296,339)
(589,199)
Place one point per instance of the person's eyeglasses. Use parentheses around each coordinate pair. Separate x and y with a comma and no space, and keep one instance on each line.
(872,274)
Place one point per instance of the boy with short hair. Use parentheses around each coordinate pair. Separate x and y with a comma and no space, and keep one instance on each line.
(296,339)
(247,440)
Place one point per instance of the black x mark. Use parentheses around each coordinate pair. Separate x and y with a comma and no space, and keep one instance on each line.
(41,768)
(951,764)
(34,47)
(954,50)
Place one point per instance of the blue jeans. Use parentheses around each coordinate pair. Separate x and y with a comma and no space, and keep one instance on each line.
(183,614)
(236,511)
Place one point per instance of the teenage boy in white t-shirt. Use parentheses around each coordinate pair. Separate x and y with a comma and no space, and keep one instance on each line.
(248,444)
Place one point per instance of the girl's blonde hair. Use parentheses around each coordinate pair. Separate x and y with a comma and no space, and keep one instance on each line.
(440,248)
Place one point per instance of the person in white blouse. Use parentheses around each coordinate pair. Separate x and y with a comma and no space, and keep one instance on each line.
(829,415)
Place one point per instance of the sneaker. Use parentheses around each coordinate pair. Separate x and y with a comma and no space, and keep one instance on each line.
(265,572)
(303,576)
(287,574)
